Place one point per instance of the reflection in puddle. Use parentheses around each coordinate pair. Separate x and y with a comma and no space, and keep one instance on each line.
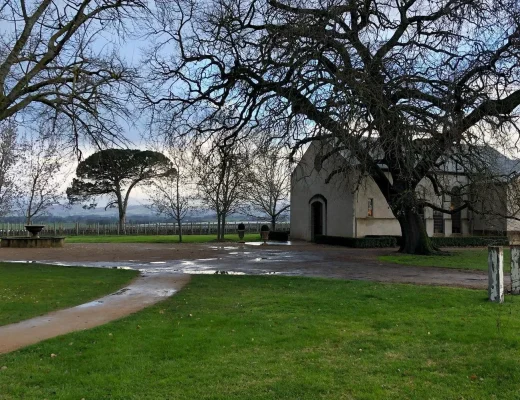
(91,304)
(157,262)
(269,243)
(120,292)
(211,272)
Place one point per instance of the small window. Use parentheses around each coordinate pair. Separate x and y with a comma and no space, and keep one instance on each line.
(370,207)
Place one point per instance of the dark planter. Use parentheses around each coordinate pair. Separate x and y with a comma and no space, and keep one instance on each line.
(34,230)
(241,229)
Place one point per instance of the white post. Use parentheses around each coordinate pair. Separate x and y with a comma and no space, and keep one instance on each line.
(515,269)
(496,274)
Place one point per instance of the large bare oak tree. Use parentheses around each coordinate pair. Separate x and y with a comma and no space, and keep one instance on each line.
(397,87)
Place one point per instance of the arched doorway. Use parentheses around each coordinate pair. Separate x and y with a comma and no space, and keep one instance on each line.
(318,208)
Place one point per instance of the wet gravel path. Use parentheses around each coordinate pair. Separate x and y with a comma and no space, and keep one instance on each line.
(299,259)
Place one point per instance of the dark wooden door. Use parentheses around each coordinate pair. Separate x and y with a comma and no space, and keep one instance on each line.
(317,219)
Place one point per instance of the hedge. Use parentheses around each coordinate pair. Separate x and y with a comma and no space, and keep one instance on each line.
(279,236)
(363,243)
(439,241)
(470,241)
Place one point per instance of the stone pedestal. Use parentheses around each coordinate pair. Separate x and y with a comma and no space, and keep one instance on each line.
(496,274)
(515,269)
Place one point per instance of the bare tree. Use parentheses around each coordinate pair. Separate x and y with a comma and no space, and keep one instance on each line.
(269,185)
(396,88)
(170,195)
(7,162)
(39,176)
(221,173)
(56,65)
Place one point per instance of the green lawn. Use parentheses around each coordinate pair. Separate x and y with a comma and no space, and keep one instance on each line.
(245,337)
(28,290)
(463,259)
(250,237)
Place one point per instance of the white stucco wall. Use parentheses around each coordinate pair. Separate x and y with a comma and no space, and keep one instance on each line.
(383,221)
(306,183)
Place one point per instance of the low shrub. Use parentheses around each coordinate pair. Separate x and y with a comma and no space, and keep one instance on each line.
(364,243)
(279,236)
(398,238)
(470,241)
(457,241)
(264,228)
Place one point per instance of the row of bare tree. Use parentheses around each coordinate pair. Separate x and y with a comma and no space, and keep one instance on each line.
(226,179)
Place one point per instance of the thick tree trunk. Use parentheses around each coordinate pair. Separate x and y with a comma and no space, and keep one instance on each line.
(273,223)
(415,240)
(218,225)
(122,223)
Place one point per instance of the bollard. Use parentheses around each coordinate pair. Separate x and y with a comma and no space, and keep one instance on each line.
(515,269)
(496,274)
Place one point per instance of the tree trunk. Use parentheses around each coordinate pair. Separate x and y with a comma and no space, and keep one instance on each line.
(415,240)
(218,225)
(179,224)
(223,227)
(122,223)
(273,222)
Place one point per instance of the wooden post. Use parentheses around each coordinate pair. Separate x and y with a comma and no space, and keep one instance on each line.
(496,274)
(515,269)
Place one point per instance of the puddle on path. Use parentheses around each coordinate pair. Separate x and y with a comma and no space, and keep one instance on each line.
(211,272)
(120,291)
(269,243)
(95,303)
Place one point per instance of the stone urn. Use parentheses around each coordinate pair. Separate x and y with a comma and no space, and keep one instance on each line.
(264,233)
(241,229)
(34,230)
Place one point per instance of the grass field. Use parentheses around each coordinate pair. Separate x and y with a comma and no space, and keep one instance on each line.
(157,239)
(463,259)
(28,290)
(231,337)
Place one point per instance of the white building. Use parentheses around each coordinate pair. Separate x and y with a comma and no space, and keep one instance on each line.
(337,209)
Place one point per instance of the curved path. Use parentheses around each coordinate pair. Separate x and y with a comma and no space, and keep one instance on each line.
(140,293)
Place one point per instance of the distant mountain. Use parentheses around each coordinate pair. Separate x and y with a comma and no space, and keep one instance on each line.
(78,210)
(135,213)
